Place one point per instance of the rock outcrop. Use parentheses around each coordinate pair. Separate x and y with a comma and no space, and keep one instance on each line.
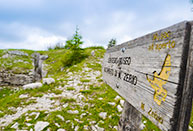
(38,60)
(8,78)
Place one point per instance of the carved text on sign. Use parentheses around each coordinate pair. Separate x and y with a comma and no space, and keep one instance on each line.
(130,78)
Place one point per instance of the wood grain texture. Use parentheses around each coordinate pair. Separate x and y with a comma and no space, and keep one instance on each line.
(149,72)
(187,92)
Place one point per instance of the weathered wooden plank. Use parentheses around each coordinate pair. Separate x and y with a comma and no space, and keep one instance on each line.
(149,72)
(187,93)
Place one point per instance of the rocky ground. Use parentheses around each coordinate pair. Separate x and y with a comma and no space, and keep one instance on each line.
(78,100)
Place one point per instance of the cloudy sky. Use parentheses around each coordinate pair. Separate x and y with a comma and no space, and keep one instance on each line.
(38,24)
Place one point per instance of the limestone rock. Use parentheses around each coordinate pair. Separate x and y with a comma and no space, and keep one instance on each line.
(142,126)
(76,128)
(40,125)
(19,53)
(61,117)
(73,112)
(100,98)
(61,130)
(115,127)
(57,124)
(119,108)
(122,102)
(117,98)
(28,124)
(48,81)
(112,103)
(36,114)
(6,56)
(38,63)
(15,126)
(99,128)
(32,85)
(65,105)
(23,96)
(103,115)
(14,79)
(93,53)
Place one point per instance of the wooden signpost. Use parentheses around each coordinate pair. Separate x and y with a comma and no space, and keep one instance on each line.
(154,73)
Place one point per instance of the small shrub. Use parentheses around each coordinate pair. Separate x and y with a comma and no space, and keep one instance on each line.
(75,42)
(72,57)
(112,43)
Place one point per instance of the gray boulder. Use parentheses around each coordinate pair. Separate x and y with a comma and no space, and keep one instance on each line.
(48,81)
(40,125)
(32,85)
(20,53)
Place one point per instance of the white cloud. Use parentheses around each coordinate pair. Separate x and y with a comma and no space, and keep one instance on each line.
(100,29)
(33,38)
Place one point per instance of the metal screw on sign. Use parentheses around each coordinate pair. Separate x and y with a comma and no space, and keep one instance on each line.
(117,85)
(123,50)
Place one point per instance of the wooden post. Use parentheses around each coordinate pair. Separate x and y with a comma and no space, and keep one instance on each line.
(130,118)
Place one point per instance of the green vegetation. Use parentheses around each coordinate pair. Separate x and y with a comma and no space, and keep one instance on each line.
(66,100)
(56,46)
(57,91)
(75,42)
(72,57)
(70,88)
(84,80)
(112,43)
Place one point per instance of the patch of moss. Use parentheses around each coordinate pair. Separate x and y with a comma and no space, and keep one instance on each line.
(84,80)
(70,88)
(67,100)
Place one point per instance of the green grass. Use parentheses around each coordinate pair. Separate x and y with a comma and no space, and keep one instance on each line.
(38,95)
(67,100)
(5,91)
(86,91)
(17,64)
(95,66)
(22,120)
(84,80)
(70,88)
(149,126)
(57,91)
(13,100)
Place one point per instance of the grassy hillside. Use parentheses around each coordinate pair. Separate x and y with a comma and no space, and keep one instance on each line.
(78,100)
